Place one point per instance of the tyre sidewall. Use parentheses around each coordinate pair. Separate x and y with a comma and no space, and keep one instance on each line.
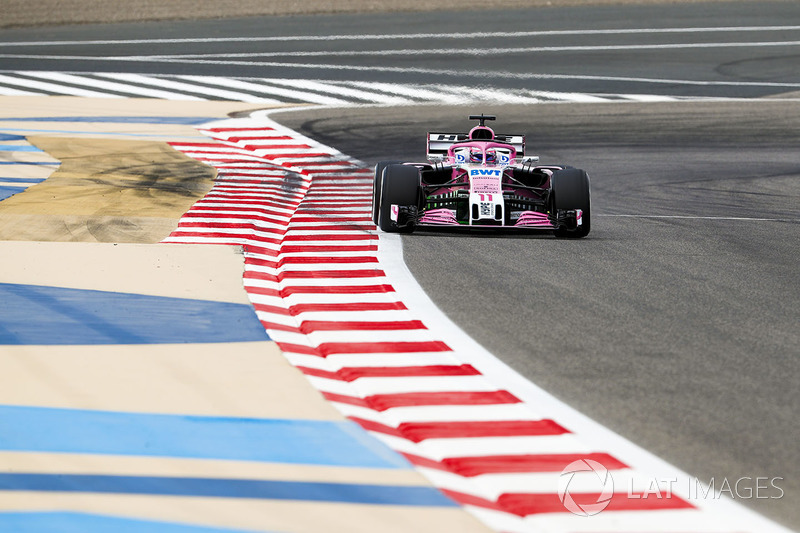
(571,190)
(399,186)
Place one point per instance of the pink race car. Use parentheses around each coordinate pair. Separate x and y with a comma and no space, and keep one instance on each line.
(478,180)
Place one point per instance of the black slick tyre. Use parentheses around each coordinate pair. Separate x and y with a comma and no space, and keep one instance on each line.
(376,186)
(399,186)
(570,191)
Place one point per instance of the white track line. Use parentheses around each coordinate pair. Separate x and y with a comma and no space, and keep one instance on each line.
(110,86)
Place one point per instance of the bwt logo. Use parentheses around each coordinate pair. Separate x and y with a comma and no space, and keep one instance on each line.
(484,172)
(594,478)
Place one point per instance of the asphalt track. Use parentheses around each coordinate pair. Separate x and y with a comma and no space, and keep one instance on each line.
(675,323)
(706,49)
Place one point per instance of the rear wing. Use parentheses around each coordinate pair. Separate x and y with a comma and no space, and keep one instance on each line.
(439,143)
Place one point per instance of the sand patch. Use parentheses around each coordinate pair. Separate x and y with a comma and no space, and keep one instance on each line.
(106,190)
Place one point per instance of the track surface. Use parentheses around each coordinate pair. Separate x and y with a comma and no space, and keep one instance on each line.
(679,333)
(588,55)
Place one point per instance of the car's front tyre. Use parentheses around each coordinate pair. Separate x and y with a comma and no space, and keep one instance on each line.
(400,187)
(376,186)
(571,192)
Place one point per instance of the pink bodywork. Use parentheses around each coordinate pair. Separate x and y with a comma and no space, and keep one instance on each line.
(480,184)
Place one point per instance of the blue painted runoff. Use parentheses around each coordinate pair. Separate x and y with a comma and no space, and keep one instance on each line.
(34,314)
(9,191)
(228,488)
(22,180)
(18,148)
(11,137)
(30,163)
(277,440)
(119,120)
(74,522)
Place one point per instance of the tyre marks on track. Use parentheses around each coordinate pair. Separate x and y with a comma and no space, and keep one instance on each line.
(271,91)
(317,273)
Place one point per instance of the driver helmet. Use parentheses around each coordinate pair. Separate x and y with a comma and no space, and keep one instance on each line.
(475,155)
(491,156)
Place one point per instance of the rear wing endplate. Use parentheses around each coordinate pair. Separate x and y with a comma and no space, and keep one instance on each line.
(439,143)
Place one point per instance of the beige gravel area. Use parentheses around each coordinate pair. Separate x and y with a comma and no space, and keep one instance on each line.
(118,181)
(106,190)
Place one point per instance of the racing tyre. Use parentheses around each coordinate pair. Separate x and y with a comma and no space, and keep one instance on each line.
(399,186)
(376,186)
(570,191)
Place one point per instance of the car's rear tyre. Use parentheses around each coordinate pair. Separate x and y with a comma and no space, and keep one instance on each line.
(570,191)
(376,186)
(400,186)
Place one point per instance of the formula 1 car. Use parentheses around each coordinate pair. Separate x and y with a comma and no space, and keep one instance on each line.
(478,180)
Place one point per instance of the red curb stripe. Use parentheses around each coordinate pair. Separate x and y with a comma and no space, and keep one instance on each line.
(365,218)
(420,431)
(496,464)
(268,146)
(341,398)
(310,326)
(300,289)
(313,274)
(530,504)
(383,402)
(275,326)
(337,212)
(332,348)
(344,307)
(301,260)
(307,248)
(240,211)
(377,427)
(298,309)
(258,218)
(243,203)
(291,155)
(354,373)
(332,237)
(273,309)
(222,235)
(176,144)
(233,225)
(258,138)
(252,159)
(398,325)
(298,348)
(475,501)
(263,291)
(337,227)
(425,462)
(333,289)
